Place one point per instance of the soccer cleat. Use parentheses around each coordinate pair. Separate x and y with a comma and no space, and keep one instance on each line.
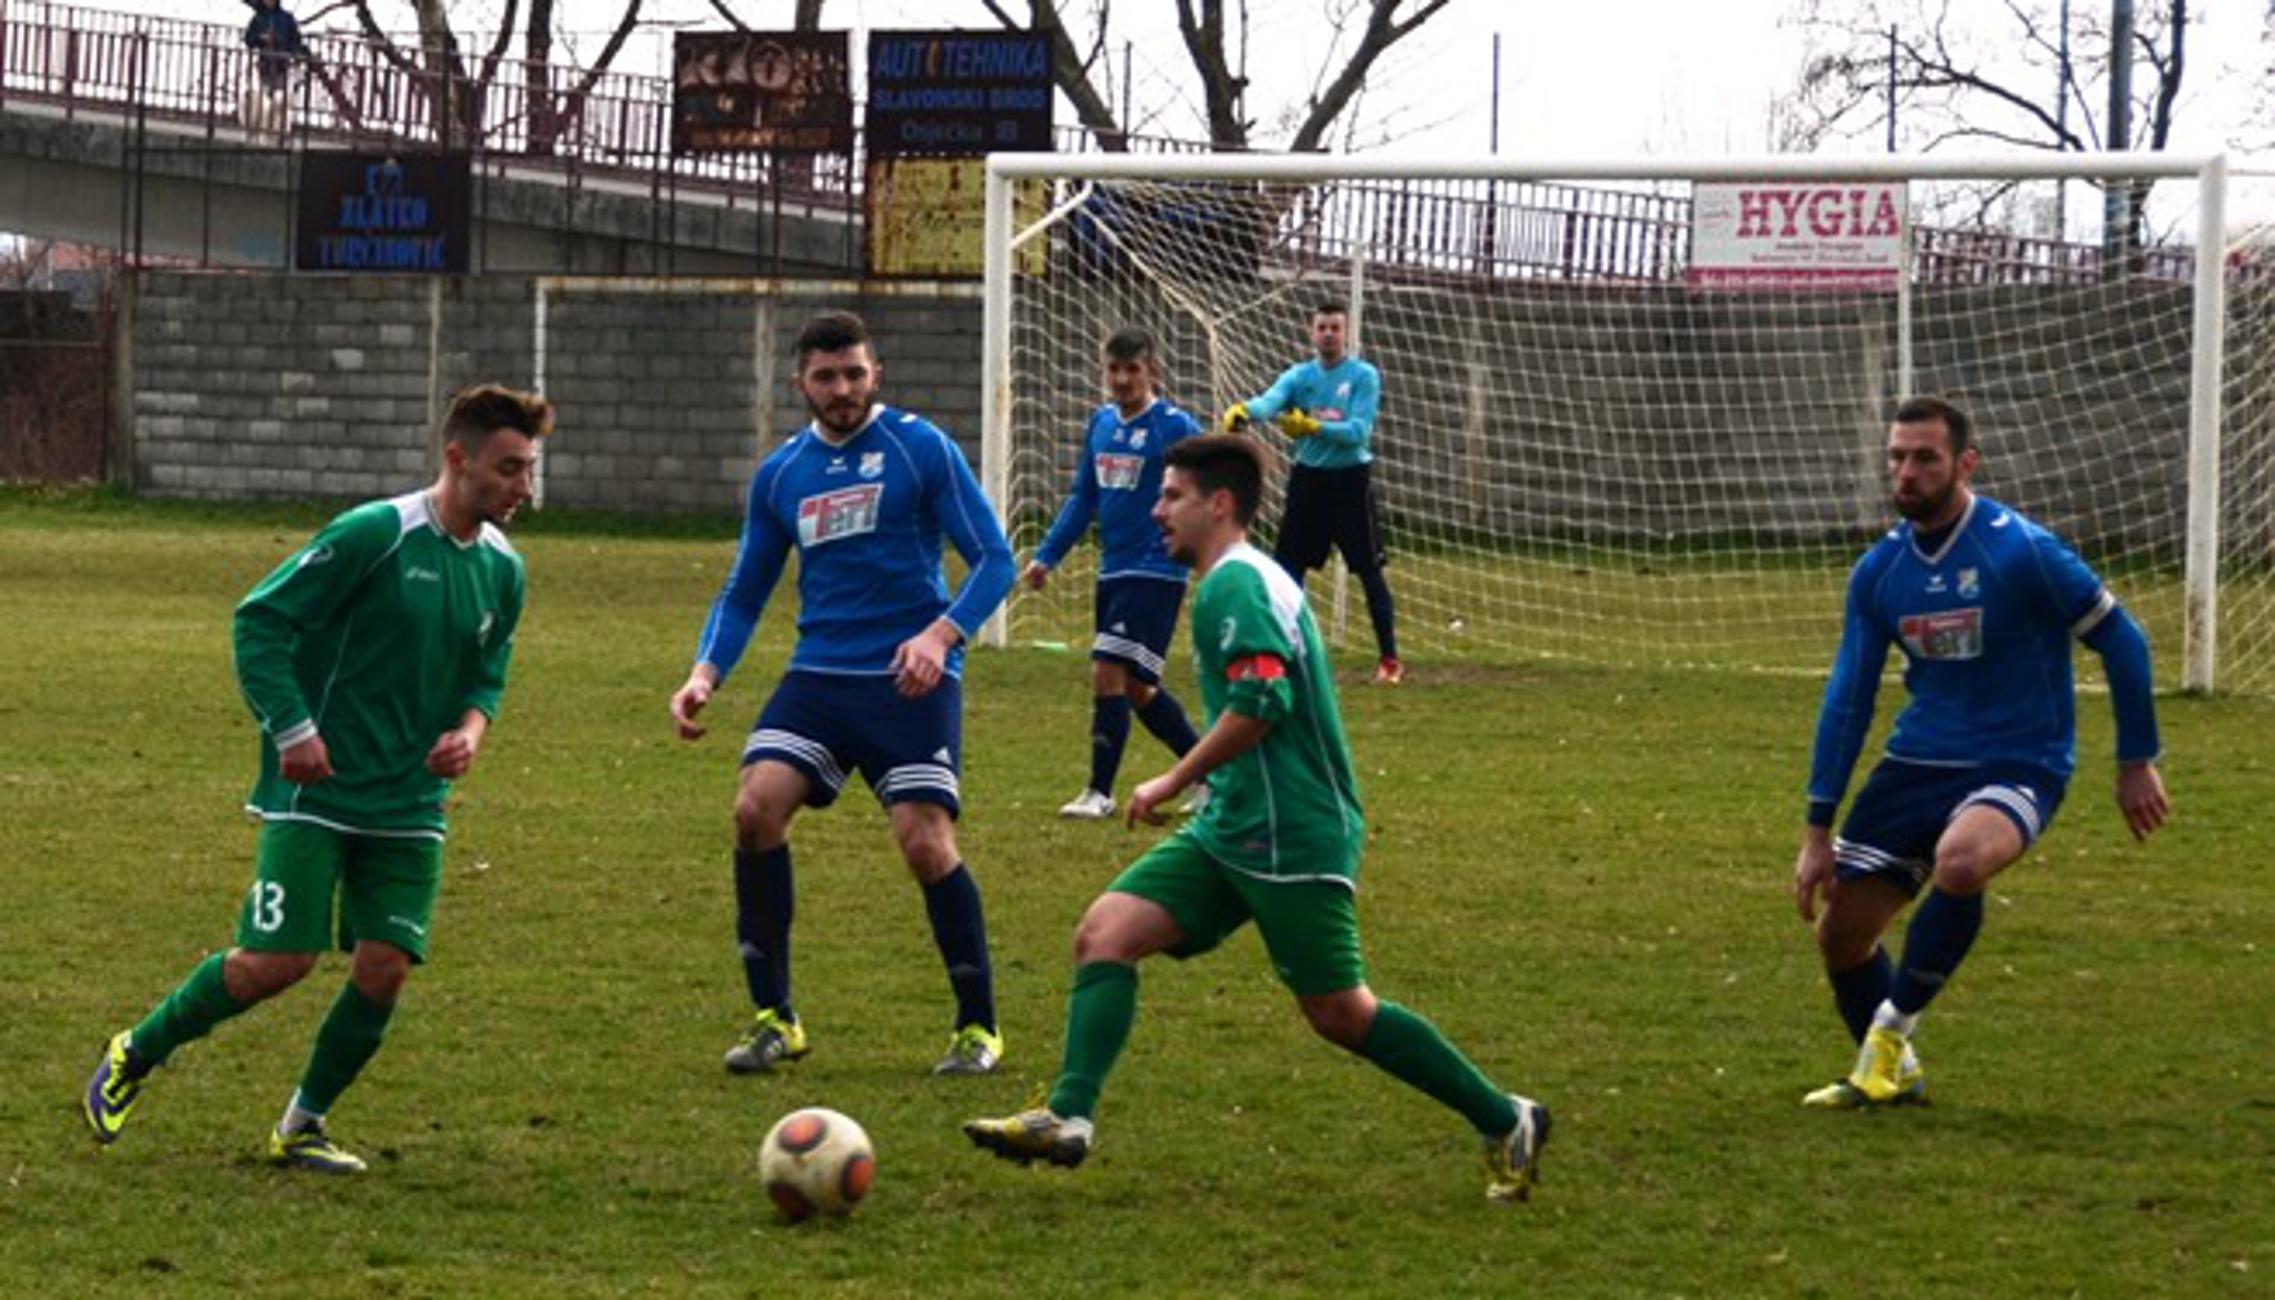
(773,1039)
(1880,1065)
(111,1094)
(974,1049)
(1841,1094)
(1031,1135)
(313,1148)
(1512,1163)
(1390,672)
(1089,806)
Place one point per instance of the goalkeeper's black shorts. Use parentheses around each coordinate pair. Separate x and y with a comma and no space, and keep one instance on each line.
(1331,509)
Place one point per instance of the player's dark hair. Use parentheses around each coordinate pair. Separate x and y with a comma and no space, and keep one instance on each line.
(1129,343)
(478,412)
(1331,307)
(1928,410)
(832,331)
(1220,463)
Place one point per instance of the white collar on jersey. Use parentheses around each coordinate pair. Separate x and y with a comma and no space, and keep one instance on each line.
(835,444)
(1951,538)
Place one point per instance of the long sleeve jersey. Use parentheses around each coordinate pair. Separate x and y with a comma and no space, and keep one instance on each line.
(866,518)
(1344,400)
(1116,481)
(1985,624)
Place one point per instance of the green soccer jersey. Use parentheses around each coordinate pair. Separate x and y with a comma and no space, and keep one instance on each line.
(378,635)
(1287,809)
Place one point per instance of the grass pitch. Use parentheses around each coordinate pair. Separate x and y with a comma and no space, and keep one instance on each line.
(1579,874)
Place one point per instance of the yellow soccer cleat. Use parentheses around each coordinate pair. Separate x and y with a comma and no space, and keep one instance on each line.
(1033,1134)
(1846,1094)
(1512,1163)
(973,1049)
(313,1148)
(773,1039)
(1879,1065)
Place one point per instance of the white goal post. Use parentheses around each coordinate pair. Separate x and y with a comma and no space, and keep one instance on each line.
(1520,527)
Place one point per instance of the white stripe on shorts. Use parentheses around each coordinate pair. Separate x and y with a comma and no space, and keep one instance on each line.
(790,742)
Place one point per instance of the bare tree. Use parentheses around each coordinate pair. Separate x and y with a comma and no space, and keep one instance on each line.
(461,91)
(2005,79)
(1208,30)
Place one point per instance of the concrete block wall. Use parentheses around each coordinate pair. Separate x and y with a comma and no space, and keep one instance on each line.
(269,386)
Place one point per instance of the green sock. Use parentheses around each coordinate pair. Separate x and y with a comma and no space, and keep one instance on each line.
(1412,1050)
(348,1038)
(188,1013)
(1099,1014)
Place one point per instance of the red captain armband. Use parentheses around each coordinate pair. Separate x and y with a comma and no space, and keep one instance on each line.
(1256,668)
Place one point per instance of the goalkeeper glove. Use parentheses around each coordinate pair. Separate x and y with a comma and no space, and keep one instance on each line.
(1235,418)
(1297,424)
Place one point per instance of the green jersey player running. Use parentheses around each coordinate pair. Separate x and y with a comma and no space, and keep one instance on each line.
(373,660)
(1277,843)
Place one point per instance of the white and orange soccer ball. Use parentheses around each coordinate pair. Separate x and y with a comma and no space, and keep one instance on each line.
(816,1161)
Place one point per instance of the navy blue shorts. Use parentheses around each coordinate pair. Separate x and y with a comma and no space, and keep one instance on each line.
(828,724)
(1137,619)
(1891,829)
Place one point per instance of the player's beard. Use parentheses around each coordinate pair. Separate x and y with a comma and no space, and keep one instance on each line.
(842,418)
(1924,506)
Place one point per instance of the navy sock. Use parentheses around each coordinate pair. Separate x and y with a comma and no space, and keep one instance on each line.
(1381,611)
(1165,718)
(764,902)
(1942,930)
(1109,733)
(1859,991)
(960,928)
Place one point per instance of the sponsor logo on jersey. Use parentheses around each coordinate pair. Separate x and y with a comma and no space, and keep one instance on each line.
(872,464)
(1970,582)
(413,573)
(1950,634)
(847,512)
(1117,473)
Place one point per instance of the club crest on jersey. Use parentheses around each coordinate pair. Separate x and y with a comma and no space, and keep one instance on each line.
(1137,440)
(872,464)
(847,512)
(1117,473)
(1970,582)
(1950,634)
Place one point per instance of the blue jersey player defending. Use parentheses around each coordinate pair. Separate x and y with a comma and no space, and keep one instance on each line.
(863,495)
(1116,481)
(1984,604)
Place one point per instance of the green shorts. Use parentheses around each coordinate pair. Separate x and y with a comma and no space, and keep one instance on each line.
(386,883)
(1310,927)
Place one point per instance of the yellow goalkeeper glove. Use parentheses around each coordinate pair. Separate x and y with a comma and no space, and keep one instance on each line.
(1235,418)
(1297,424)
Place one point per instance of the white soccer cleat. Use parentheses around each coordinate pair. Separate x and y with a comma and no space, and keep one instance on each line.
(1089,806)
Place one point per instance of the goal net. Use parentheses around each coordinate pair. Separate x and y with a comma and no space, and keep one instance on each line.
(1608,434)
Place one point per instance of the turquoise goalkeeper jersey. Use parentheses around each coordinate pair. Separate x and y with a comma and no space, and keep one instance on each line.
(1287,809)
(378,635)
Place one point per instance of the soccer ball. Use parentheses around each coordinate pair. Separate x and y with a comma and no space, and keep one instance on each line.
(816,1161)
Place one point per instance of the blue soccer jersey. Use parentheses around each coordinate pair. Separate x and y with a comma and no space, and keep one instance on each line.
(1116,482)
(1344,400)
(866,517)
(1985,623)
